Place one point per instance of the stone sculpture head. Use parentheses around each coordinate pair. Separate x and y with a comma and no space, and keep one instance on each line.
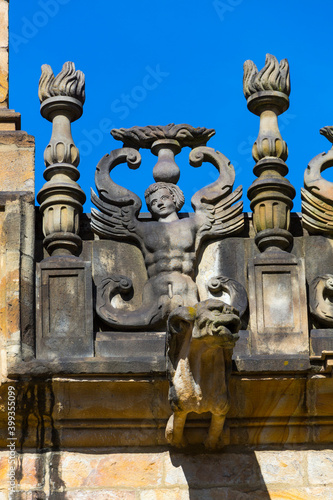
(164,200)
(211,321)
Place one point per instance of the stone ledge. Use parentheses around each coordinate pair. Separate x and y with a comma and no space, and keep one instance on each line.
(132,410)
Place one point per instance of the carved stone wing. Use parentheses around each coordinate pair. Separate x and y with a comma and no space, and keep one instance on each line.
(317,214)
(217,207)
(317,194)
(118,207)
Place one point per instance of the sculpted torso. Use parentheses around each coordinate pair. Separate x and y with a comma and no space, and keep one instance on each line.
(169,247)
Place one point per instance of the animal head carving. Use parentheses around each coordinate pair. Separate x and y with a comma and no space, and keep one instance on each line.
(211,321)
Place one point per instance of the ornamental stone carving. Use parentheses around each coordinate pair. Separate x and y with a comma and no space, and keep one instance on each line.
(317,194)
(200,341)
(64,284)
(275,275)
(321,300)
(61,198)
(169,244)
(267,93)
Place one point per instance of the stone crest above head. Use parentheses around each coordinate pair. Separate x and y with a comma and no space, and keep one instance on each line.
(165,142)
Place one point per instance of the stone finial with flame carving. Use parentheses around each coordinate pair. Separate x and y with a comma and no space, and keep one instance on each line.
(267,93)
(61,198)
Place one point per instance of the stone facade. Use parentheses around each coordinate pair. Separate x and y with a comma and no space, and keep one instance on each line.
(141,474)
(125,336)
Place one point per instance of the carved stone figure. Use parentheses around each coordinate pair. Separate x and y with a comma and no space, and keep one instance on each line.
(321,300)
(169,244)
(317,194)
(200,340)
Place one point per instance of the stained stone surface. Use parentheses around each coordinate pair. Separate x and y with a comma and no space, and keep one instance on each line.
(161,475)
(64,309)
(4,53)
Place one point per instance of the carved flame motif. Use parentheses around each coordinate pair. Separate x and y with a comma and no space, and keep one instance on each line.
(68,83)
(144,137)
(273,76)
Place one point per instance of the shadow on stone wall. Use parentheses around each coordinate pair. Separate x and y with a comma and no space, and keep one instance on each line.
(219,476)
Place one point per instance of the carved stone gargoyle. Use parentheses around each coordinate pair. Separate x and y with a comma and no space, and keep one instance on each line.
(200,341)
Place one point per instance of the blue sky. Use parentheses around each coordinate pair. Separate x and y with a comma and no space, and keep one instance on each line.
(195,49)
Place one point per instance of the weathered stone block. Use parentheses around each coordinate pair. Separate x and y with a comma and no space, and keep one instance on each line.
(208,471)
(104,494)
(137,346)
(16,278)
(278,312)
(285,467)
(321,340)
(30,471)
(300,493)
(165,494)
(17,157)
(132,470)
(64,306)
(4,467)
(4,23)
(228,494)
(320,468)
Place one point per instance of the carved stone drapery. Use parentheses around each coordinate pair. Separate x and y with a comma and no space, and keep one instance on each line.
(61,198)
(271,194)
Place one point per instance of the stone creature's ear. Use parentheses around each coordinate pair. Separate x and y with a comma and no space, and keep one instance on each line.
(180,318)
(180,324)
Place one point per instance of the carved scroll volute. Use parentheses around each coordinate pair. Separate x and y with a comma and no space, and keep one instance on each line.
(271,194)
(317,194)
(61,198)
(321,301)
